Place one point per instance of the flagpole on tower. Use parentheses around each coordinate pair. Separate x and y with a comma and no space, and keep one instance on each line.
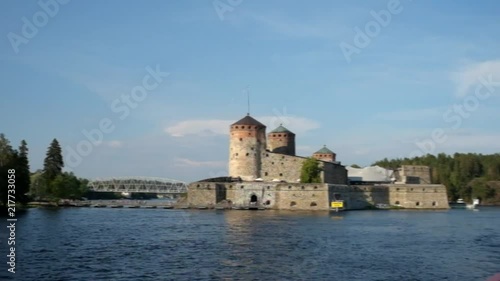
(248,99)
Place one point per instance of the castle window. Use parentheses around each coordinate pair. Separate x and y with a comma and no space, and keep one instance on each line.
(272,163)
(284,135)
(281,174)
(265,174)
(303,187)
(289,187)
(397,202)
(279,135)
(315,187)
(249,134)
(411,189)
(267,155)
(242,186)
(243,127)
(268,187)
(313,204)
(418,203)
(397,189)
(236,127)
(248,154)
(197,185)
(293,203)
(230,186)
(423,189)
(268,202)
(434,203)
(251,148)
(241,139)
(236,154)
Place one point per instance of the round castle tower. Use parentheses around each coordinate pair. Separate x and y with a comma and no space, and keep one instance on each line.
(281,140)
(247,142)
(325,154)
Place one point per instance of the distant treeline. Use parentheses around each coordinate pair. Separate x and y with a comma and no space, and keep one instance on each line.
(465,175)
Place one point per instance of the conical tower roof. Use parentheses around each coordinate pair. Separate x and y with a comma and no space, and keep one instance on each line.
(324,150)
(248,120)
(281,129)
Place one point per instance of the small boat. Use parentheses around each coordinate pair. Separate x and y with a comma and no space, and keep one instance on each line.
(460,204)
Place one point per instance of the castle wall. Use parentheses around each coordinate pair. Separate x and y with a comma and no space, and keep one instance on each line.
(202,194)
(288,168)
(280,166)
(333,173)
(408,173)
(241,192)
(297,196)
(419,196)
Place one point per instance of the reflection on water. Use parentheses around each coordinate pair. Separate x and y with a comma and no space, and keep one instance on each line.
(157,244)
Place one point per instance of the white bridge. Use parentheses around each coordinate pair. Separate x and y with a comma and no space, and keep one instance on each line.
(138,184)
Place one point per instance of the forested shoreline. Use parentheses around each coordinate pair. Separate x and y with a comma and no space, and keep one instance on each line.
(49,184)
(465,175)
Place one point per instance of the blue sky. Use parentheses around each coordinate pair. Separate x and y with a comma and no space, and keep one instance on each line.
(411,89)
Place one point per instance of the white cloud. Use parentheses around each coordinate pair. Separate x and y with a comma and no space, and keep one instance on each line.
(199,127)
(221,127)
(114,143)
(466,78)
(184,162)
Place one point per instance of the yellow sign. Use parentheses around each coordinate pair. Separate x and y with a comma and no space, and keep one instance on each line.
(337,204)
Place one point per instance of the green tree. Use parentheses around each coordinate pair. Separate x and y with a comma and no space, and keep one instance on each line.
(7,161)
(67,186)
(39,186)
(53,163)
(310,172)
(355,166)
(22,174)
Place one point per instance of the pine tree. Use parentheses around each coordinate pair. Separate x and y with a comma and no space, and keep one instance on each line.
(7,162)
(53,164)
(23,179)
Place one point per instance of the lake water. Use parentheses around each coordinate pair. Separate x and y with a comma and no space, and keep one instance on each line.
(158,244)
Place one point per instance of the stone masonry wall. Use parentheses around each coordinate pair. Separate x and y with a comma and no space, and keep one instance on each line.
(201,194)
(422,172)
(245,147)
(240,193)
(280,166)
(333,173)
(297,196)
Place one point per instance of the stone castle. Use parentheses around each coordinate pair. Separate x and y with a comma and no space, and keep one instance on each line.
(264,172)
(252,156)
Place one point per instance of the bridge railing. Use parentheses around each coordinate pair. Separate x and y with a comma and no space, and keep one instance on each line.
(138,184)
